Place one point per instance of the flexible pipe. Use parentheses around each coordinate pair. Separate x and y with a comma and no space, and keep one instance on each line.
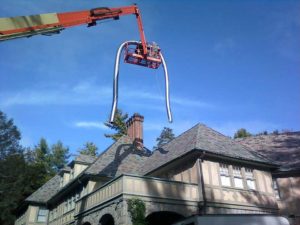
(116,83)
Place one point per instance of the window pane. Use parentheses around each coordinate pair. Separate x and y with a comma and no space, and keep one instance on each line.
(225,181)
(42,213)
(251,184)
(41,219)
(276,190)
(237,171)
(238,182)
(224,169)
(249,173)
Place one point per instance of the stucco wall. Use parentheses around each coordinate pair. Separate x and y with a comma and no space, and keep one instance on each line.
(78,168)
(260,200)
(185,172)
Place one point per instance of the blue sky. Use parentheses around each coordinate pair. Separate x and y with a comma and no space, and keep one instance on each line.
(232,64)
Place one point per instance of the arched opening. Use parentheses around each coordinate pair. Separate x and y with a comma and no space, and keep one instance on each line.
(86,223)
(163,218)
(107,219)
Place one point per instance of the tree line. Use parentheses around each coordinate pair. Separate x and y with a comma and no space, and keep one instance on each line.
(243,133)
(24,170)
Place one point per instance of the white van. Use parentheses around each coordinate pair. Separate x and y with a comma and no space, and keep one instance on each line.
(235,220)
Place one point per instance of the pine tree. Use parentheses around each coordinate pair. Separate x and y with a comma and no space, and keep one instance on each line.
(43,158)
(165,137)
(119,125)
(89,149)
(59,156)
(9,137)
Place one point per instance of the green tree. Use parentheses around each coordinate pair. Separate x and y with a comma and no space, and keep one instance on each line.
(119,125)
(241,133)
(165,137)
(9,137)
(89,149)
(59,156)
(14,185)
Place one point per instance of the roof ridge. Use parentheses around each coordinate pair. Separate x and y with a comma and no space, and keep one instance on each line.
(196,125)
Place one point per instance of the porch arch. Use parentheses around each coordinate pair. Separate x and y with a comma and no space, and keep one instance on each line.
(107,219)
(163,218)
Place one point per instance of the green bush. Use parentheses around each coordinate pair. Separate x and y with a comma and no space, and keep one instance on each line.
(137,210)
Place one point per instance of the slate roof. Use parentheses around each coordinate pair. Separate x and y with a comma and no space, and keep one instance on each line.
(121,157)
(201,137)
(44,193)
(283,149)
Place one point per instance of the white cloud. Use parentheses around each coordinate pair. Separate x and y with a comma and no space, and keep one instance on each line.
(57,96)
(90,124)
(87,93)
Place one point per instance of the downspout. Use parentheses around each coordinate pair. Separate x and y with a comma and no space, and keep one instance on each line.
(201,186)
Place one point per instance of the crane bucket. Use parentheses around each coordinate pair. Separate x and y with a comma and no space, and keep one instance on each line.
(134,55)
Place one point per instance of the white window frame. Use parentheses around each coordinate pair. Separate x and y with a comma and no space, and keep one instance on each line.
(42,215)
(276,189)
(249,176)
(237,176)
(224,175)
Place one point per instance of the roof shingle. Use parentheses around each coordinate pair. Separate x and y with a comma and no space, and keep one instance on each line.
(283,149)
(45,192)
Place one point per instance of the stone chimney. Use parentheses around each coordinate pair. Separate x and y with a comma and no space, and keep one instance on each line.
(135,129)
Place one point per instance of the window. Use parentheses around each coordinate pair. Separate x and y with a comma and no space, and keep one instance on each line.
(224,173)
(66,206)
(77,196)
(237,177)
(42,215)
(250,178)
(276,189)
(62,181)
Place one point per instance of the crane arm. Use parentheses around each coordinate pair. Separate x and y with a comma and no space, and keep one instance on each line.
(27,26)
(138,53)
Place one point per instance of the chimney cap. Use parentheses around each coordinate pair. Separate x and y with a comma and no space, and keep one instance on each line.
(137,115)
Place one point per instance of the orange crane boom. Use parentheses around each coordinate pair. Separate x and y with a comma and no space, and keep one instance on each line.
(27,26)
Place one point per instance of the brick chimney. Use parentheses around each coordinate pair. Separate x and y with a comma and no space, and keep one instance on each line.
(135,129)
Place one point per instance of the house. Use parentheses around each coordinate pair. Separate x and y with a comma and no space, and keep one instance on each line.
(199,173)
(283,149)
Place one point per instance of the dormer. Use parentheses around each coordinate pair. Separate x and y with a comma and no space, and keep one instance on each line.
(64,176)
(79,164)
